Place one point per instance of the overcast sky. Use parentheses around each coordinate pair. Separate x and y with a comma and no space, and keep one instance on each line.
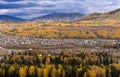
(32,8)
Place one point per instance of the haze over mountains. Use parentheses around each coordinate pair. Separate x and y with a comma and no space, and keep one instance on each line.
(59,17)
(10,18)
(55,17)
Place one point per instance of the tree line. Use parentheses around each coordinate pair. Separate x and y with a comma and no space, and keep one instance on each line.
(55,33)
(81,23)
(80,64)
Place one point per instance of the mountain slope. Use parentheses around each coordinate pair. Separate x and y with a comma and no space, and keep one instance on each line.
(113,15)
(10,18)
(58,17)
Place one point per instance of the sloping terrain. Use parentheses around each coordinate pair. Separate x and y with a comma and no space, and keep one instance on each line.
(10,18)
(108,19)
(112,15)
(58,17)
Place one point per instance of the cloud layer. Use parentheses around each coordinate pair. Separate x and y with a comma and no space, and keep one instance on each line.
(32,8)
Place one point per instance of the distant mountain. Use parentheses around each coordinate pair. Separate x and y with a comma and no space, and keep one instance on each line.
(114,15)
(58,17)
(10,18)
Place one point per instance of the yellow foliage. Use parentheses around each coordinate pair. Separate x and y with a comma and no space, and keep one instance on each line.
(22,72)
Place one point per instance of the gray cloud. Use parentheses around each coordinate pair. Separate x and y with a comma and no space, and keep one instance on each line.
(33,8)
